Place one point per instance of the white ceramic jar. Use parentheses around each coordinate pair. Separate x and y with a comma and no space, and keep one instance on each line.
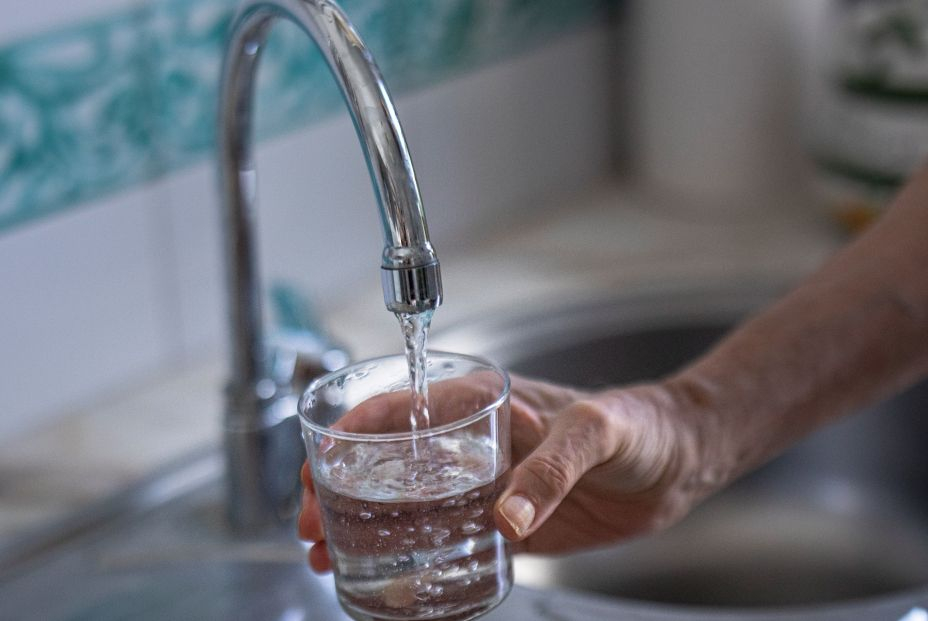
(868,117)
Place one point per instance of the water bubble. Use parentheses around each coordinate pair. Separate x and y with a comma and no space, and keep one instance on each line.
(469,528)
(365,515)
(440,535)
(421,588)
(383,532)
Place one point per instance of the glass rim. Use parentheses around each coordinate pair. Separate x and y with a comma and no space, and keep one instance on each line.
(402,435)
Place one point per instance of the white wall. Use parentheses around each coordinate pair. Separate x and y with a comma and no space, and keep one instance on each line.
(117,292)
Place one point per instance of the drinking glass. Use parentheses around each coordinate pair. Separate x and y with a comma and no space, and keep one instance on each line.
(408,515)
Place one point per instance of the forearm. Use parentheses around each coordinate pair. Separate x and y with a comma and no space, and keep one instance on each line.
(854,332)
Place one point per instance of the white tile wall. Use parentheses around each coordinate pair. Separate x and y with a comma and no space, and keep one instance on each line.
(81,312)
(107,294)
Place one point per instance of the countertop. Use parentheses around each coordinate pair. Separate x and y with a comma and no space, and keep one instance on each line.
(613,239)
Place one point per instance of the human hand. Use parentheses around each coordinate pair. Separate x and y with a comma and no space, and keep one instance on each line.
(589,468)
(596,468)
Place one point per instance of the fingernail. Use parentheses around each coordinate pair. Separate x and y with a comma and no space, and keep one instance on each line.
(519,512)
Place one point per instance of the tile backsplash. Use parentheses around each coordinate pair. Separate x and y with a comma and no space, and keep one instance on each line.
(107,103)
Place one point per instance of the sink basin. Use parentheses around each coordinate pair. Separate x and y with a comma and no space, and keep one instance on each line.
(841,516)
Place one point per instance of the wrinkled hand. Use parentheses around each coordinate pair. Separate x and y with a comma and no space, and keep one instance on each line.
(590,469)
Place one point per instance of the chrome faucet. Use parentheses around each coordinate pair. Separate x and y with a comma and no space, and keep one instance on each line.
(258,403)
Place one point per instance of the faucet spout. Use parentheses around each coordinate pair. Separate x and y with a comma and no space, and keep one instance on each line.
(410,271)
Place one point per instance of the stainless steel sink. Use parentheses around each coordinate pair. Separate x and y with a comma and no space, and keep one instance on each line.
(841,516)
(162,550)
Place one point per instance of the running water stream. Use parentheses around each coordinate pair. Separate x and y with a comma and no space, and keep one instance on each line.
(415,334)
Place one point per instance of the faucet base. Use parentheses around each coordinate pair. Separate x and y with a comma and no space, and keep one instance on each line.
(263,475)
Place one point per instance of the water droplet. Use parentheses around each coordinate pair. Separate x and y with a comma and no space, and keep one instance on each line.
(421,589)
(407,541)
(469,528)
(383,532)
(410,529)
(394,514)
(475,512)
(473,565)
(365,515)
(473,494)
(426,528)
(449,503)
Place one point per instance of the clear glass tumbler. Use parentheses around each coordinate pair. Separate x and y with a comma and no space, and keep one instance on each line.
(408,516)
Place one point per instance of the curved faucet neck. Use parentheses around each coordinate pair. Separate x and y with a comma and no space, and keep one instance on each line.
(410,271)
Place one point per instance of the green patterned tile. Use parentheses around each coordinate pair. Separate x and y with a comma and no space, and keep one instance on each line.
(74,120)
(106,104)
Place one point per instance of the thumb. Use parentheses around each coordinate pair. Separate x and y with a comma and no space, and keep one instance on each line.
(579,439)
